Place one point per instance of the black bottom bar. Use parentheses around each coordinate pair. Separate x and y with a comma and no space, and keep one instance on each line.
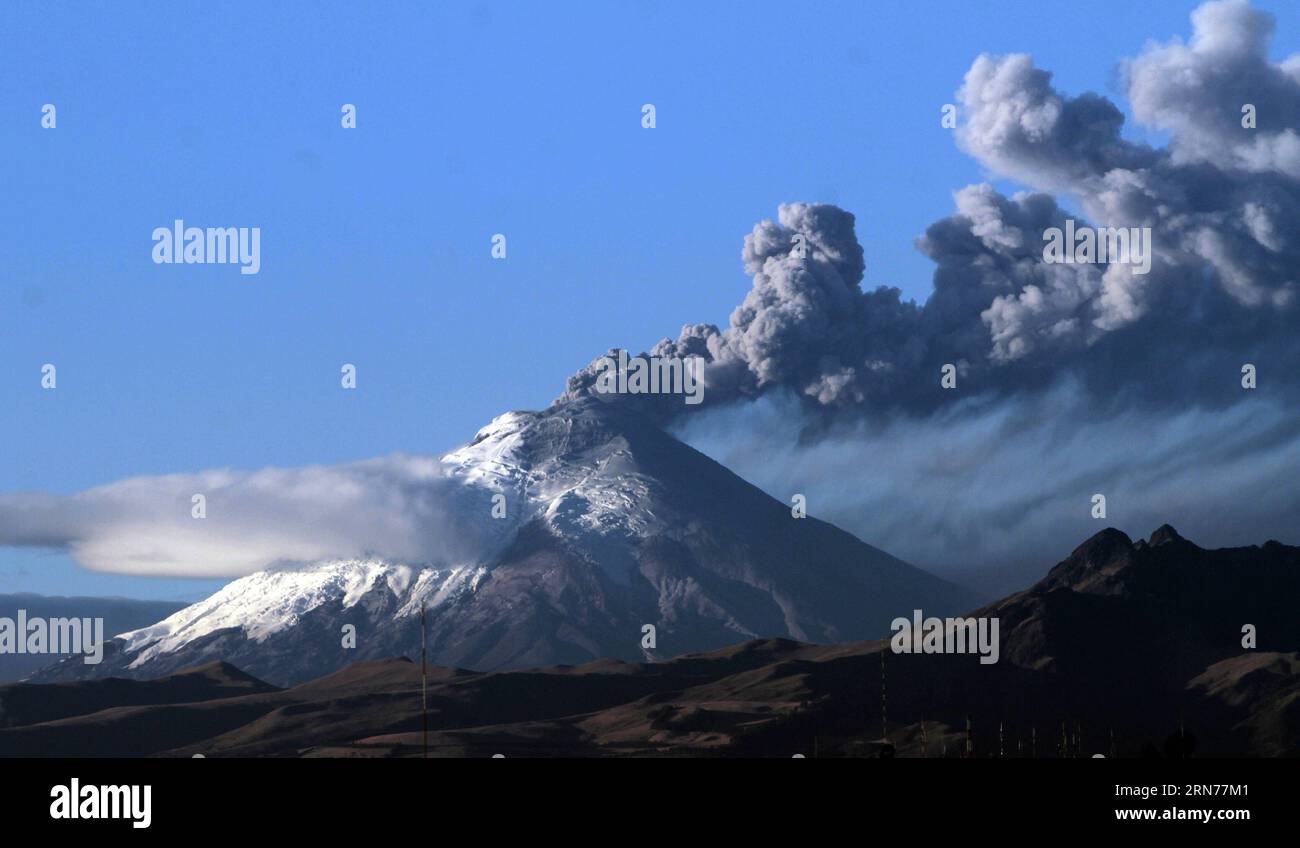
(359,797)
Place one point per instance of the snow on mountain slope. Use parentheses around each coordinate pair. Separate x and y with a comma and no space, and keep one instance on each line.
(596,489)
(268,602)
(610,524)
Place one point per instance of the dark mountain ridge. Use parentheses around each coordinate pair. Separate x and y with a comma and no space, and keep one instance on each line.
(1122,649)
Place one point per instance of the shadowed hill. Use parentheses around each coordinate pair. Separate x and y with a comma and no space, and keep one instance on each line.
(1124,649)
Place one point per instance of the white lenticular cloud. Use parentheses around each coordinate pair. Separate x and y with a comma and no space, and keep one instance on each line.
(398,507)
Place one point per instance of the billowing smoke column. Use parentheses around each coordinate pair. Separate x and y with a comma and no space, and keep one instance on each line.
(1220,202)
(1072,379)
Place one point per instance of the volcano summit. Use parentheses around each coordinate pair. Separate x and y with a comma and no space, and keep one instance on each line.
(609,524)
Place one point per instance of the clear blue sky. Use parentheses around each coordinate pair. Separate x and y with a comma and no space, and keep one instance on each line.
(473,119)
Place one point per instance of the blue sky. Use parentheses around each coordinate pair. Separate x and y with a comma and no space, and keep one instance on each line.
(473,119)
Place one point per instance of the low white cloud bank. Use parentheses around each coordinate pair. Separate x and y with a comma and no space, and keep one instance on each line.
(400,507)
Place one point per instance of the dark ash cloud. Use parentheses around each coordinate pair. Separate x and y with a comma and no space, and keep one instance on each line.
(1220,202)
(1073,379)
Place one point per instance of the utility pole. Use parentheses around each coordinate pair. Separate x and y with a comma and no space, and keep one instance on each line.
(424,689)
(884,732)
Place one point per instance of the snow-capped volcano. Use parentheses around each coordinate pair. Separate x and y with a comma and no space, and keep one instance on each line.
(591,523)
